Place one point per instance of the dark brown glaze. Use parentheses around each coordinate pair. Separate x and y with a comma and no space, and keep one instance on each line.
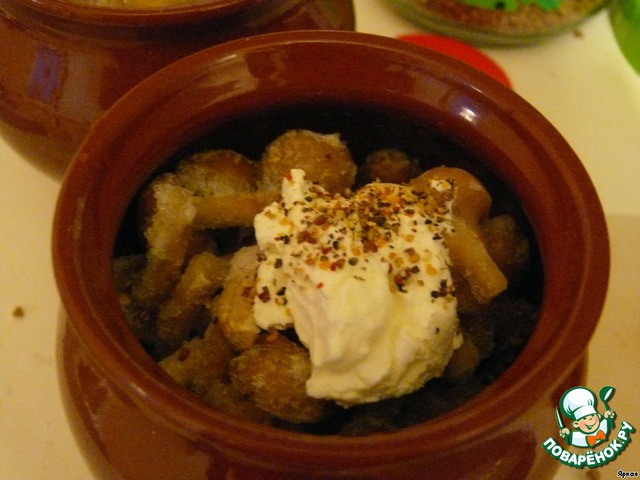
(132,422)
(65,64)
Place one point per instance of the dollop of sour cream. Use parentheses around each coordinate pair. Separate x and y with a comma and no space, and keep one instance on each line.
(364,280)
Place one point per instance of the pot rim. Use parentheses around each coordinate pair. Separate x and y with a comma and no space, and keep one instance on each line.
(79,13)
(554,348)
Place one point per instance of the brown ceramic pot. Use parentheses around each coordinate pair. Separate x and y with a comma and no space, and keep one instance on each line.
(64,64)
(131,422)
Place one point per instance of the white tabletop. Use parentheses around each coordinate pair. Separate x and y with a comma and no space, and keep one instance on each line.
(579,81)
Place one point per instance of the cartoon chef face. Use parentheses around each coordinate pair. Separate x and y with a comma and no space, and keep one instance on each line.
(588,424)
(579,404)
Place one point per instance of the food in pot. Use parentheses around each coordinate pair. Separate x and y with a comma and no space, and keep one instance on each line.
(305,292)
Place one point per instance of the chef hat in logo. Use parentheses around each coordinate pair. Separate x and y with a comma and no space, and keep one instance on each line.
(578,402)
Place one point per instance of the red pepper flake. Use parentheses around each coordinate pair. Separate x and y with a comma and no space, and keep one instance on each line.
(319,285)
(320,220)
(337,265)
(306,236)
(401,278)
(369,246)
(247,291)
(264,295)
(414,257)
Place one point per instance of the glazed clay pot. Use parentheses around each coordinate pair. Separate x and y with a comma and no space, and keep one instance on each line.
(64,64)
(132,422)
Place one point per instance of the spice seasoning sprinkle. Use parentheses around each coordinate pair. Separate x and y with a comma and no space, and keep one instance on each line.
(381,223)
